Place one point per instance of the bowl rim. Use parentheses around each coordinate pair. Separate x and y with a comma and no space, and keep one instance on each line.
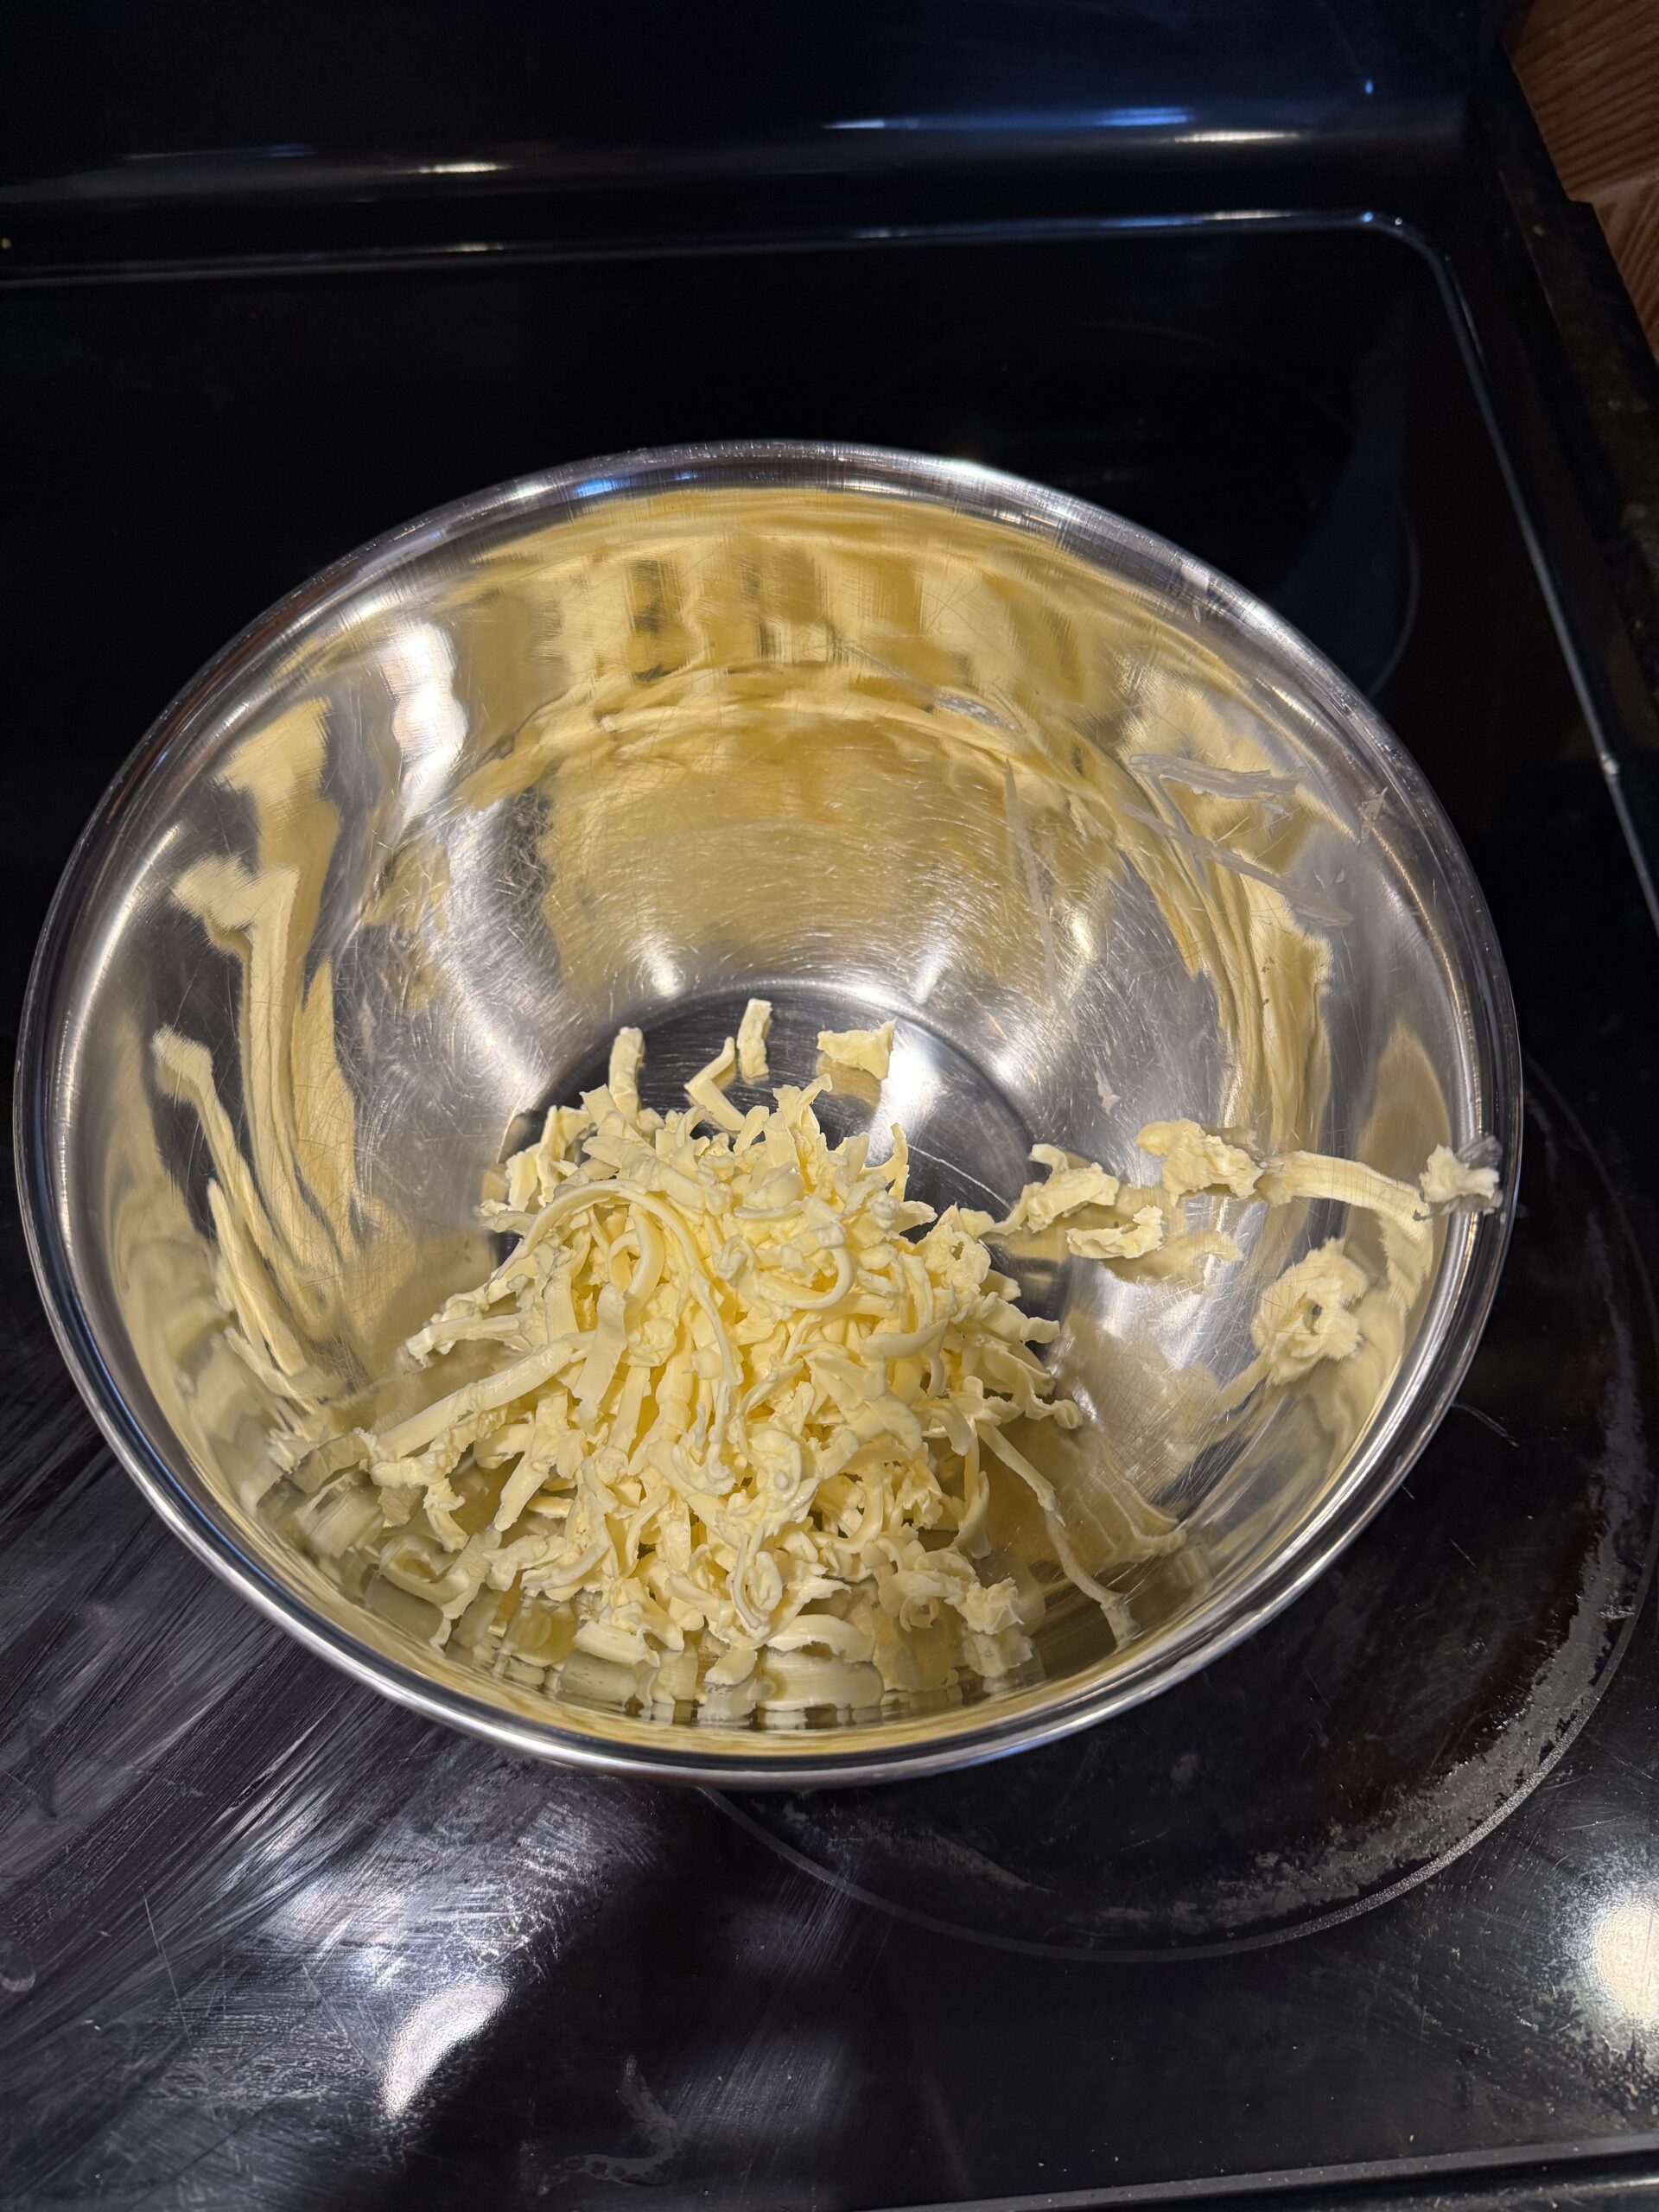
(977,1731)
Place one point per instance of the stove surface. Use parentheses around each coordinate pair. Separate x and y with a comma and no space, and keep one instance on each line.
(1370,1905)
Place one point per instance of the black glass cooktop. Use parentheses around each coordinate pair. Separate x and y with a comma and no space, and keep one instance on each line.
(1368,1912)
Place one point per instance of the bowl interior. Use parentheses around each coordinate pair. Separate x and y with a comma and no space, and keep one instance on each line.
(866,741)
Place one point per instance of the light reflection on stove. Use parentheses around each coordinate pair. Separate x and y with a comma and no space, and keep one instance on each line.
(1625,1954)
(437,2025)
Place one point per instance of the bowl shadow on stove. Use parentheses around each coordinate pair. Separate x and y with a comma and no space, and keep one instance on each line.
(652,2037)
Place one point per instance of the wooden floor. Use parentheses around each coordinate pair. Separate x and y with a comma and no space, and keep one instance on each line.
(1591,70)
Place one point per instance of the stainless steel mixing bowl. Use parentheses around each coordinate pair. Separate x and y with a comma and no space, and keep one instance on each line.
(865,734)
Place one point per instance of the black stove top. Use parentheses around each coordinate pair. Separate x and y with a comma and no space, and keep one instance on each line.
(1369,1911)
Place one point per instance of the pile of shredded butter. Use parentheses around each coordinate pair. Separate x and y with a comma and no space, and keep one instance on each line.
(734,1403)
(734,1397)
